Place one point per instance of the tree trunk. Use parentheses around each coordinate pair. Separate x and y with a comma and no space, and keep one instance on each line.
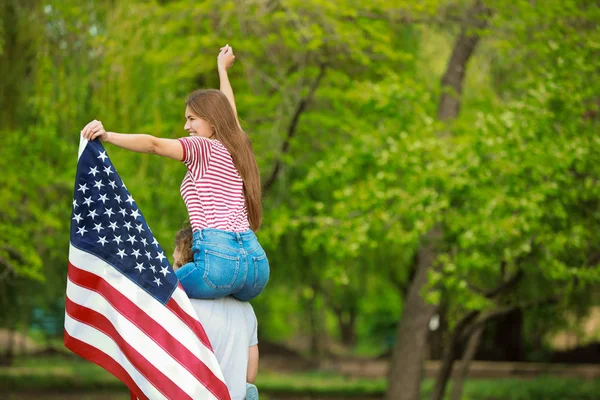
(314,328)
(7,357)
(436,337)
(407,357)
(458,380)
(317,332)
(411,340)
(453,349)
(452,82)
(346,323)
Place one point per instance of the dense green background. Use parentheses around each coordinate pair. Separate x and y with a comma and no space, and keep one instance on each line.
(340,101)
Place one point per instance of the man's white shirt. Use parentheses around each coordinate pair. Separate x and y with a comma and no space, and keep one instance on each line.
(232,328)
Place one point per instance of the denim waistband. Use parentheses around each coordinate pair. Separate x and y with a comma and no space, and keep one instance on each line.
(207,232)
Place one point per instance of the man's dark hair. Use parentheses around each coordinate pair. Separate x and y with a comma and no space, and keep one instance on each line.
(183,241)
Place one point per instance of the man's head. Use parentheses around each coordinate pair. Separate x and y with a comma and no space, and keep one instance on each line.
(183,248)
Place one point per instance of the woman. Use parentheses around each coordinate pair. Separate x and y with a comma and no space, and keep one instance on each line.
(221,191)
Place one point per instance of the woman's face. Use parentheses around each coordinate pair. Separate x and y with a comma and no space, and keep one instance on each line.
(197,126)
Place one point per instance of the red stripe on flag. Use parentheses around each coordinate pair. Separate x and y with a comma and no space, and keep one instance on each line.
(98,321)
(105,361)
(153,330)
(191,322)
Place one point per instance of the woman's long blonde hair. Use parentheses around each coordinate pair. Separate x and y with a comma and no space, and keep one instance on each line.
(212,105)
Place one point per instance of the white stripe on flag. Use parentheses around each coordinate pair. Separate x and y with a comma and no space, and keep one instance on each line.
(178,329)
(137,339)
(82,143)
(183,301)
(104,343)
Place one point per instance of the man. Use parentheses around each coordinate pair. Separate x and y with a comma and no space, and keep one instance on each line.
(231,327)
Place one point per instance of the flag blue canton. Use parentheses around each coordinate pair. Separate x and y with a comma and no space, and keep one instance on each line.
(106,222)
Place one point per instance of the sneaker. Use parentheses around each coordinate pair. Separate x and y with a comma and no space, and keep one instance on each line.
(251,392)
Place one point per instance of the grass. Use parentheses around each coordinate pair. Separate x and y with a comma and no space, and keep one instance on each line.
(70,375)
(319,383)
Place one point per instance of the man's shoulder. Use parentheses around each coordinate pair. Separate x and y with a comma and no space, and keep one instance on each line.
(228,303)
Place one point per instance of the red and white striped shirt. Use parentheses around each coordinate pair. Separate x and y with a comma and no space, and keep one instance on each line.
(212,189)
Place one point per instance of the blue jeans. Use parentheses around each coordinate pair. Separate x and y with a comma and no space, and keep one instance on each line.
(225,263)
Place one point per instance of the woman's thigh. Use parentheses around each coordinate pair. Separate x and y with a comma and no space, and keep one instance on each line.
(258,273)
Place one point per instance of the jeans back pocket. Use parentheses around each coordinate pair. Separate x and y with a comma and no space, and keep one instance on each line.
(220,270)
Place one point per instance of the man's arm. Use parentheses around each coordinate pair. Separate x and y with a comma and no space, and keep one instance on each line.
(252,364)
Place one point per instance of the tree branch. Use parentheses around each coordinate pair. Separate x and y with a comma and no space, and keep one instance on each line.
(9,268)
(398,18)
(300,108)
(453,79)
(503,286)
(502,311)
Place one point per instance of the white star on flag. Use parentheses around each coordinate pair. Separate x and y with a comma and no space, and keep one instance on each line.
(155,342)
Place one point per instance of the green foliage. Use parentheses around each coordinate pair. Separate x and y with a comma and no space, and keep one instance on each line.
(367,173)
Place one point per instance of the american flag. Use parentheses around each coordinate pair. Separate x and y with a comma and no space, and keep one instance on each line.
(125,309)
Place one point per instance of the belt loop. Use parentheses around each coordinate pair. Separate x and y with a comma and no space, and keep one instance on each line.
(200,234)
(238,237)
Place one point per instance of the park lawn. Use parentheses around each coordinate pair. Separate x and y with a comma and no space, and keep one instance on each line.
(68,375)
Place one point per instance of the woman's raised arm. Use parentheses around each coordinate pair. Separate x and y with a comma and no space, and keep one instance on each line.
(224,62)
